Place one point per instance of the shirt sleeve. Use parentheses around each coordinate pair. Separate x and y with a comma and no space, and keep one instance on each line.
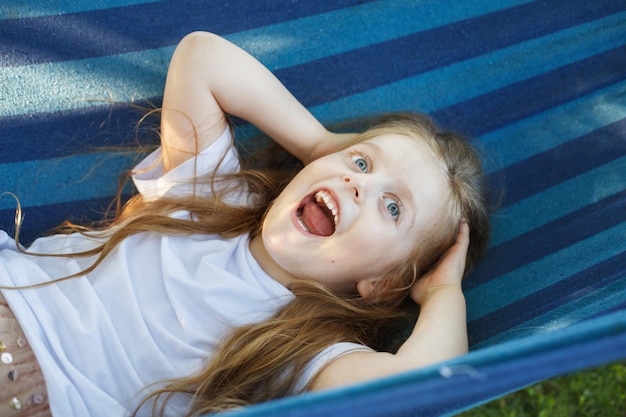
(325,357)
(220,157)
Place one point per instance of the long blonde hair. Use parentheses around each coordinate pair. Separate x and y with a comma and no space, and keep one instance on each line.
(266,360)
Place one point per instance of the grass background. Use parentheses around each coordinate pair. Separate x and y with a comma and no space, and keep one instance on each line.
(598,392)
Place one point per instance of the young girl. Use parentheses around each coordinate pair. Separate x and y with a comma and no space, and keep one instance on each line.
(219,287)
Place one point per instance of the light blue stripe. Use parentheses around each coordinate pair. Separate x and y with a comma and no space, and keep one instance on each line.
(558,201)
(70,85)
(63,179)
(566,315)
(544,272)
(11,9)
(462,81)
(554,127)
(307,39)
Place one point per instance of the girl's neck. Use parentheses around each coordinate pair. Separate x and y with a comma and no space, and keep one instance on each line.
(266,262)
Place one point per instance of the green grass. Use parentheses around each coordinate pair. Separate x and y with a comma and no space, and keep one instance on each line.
(599,392)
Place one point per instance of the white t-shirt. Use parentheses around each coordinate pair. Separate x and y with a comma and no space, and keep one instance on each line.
(153,310)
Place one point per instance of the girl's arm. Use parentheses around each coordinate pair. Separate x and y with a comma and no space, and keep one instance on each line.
(439,334)
(208,77)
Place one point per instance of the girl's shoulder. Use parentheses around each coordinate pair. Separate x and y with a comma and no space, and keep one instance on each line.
(325,357)
(220,158)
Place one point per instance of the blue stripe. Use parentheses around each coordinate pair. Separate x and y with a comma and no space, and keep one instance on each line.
(558,201)
(449,85)
(61,86)
(141,74)
(40,219)
(536,276)
(72,131)
(297,42)
(568,290)
(606,311)
(522,100)
(11,9)
(549,238)
(145,73)
(121,30)
(570,313)
(66,179)
(552,128)
(431,49)
(563,162)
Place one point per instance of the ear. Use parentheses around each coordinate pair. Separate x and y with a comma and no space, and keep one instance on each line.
(367,287)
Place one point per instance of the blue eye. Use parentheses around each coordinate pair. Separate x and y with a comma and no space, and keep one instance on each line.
(360,162)
(392,207)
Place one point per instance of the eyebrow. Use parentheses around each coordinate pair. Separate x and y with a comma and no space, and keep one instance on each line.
(405,194)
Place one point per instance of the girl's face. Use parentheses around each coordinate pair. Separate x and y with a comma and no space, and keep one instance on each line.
(349,216)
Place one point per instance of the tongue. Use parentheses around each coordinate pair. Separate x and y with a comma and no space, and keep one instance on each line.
(316,219)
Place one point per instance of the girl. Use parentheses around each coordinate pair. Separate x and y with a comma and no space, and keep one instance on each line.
(218,287)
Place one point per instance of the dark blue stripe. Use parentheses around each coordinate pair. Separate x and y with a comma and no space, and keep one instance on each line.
(366,68)
(510,104)
(614,309)
(563,162)
(41,219)
(563,292)
(143,26)
(58,134)
(549,238)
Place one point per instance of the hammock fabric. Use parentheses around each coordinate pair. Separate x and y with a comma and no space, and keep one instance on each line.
(540,86)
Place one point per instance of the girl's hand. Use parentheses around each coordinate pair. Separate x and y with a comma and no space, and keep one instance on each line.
(439,334)
(448,272)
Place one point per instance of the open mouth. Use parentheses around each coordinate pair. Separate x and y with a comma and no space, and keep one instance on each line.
(318,213)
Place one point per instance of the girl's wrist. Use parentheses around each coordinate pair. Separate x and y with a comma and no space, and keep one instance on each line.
(438,291)
(331,143)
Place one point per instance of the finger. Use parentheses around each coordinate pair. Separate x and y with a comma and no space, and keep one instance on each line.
(454,259)
(460,245)
(463,236)
(463,241)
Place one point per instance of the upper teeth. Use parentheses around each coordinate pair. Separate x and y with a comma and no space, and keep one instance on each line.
(330,203)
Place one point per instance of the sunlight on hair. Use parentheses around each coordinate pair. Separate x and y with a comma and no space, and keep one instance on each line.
(19,215)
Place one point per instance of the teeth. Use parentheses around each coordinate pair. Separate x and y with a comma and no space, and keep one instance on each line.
(302,225)
(329,202)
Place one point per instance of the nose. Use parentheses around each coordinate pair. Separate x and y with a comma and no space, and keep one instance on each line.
(356,183)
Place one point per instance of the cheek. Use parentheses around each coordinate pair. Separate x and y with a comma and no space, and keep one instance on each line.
(365,256)
(274,231)
(383,248)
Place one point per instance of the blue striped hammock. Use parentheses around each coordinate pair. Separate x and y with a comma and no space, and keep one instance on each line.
(541,86)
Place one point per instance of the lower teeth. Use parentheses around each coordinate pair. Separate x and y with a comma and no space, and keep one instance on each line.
(304,226)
